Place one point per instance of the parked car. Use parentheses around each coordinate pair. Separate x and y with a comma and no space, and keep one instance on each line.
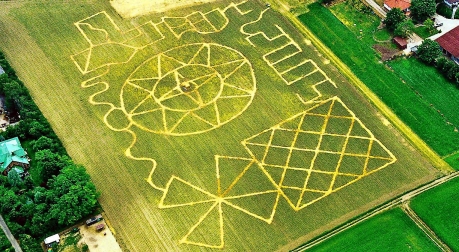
(93,220)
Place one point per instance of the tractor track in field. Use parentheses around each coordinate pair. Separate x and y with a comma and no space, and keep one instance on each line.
(395,202)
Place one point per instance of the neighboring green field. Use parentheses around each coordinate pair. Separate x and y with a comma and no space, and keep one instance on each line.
(413,110)
(389,231)
(431,87)
(438,208)
(187,120)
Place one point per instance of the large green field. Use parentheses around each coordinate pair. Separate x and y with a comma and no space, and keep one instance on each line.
(217,126)
(389,231)
(414,110)
(433,88)
(438,209)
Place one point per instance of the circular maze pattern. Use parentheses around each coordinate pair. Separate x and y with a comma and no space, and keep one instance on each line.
(188,89)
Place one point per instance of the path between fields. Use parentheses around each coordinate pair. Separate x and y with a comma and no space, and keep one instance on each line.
(376,8)
(10,236)
(426,229)
(373,98)
(397,201)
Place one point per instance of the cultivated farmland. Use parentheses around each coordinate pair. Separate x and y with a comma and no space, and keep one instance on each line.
(209,128)
(438,208)
(389,231)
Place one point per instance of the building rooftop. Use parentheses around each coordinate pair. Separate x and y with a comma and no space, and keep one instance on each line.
(450,41)
(401,4)
(11,151)
(400,42)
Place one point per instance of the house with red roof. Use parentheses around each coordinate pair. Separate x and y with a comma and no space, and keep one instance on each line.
(404,5)
(449,42)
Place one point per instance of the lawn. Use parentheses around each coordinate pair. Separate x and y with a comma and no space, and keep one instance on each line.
(415,111)
(423,32)
(438,209)
(389,231)
(187,120)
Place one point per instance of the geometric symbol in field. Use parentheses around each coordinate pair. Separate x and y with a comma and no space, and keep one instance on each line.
(236,189)
(318,152)
(286,57)
(189,89)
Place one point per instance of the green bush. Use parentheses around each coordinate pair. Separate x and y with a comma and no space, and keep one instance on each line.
(444,10)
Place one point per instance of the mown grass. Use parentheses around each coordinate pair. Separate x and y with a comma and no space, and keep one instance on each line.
(438,208)
(362,60)
(389,231)
(382,35)
(423,32)
(129,201)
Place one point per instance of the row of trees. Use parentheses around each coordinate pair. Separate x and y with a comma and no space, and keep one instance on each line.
(431,53)
(60,194)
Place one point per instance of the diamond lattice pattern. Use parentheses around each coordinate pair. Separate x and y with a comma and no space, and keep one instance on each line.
(318,152)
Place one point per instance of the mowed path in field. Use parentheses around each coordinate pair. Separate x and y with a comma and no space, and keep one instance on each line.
(66,108)
(130,202)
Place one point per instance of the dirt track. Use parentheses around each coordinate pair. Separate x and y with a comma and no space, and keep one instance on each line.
(397,201)
(387,112)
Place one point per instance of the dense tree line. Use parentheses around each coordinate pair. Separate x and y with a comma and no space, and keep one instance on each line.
(60,194)
(430,52)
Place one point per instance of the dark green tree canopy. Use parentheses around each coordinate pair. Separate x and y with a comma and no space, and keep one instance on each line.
(404,29)
(74,195)
(429,51)
(394,17)
(49,163)
(422,9)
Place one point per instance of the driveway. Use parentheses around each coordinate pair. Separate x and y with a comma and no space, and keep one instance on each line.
(8,234)
(448,25)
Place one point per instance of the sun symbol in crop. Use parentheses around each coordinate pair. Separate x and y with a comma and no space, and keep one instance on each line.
(188,89)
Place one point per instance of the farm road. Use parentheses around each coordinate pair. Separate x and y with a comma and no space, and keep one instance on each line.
(426,229)
(9,235)
(414,139)
(376,8)
(397,201)
(386,111)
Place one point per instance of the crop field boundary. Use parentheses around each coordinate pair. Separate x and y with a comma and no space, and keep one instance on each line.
(190,72)
(387,112)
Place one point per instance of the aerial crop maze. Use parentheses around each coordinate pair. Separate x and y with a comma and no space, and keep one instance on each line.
(197,86)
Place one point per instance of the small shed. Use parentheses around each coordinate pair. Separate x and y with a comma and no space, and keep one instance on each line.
(1,70)
(52,239)
(400,42)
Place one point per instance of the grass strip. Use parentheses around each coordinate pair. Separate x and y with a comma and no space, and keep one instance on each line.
(436,207)
(363,62)
(389,231)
